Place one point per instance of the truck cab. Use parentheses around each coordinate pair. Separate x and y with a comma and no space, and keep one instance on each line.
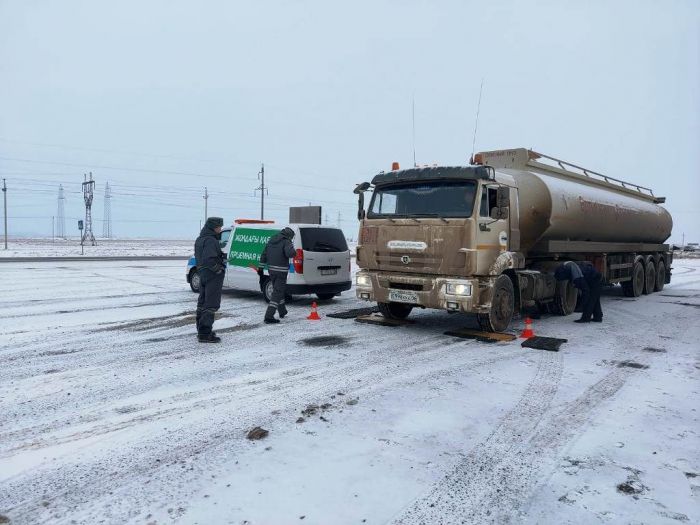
(430,237)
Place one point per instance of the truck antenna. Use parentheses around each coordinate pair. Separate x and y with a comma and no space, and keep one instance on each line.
(413,124)
(476,121)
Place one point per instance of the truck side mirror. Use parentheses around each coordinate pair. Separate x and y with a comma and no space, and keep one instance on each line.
(503,197)
(360,206)
(360,190)
(499,213)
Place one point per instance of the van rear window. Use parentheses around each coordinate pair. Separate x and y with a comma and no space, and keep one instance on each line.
(323,240)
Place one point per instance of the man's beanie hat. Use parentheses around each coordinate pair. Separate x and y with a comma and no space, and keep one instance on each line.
(215,222)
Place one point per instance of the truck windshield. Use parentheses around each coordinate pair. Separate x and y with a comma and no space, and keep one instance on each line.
(424,199)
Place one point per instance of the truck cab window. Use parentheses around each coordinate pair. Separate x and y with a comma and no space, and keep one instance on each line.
(488,201)
(385,204)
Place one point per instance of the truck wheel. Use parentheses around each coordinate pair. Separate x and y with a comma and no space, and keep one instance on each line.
(266,288)
(649,278)
(325,296)
(194,281)
(635,286)
(660,276)
(395,310)
(502,306)
(565,298)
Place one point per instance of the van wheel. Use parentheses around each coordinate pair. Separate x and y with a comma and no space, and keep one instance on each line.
(660,276)
(325,296)
(565,298)
(194,280)
(649,278)
(502,306)
(266,288)
(635,286)
(395,310)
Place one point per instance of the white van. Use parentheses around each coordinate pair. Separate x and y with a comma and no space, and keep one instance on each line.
(321,265)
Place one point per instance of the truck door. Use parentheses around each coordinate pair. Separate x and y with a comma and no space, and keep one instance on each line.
(491,234)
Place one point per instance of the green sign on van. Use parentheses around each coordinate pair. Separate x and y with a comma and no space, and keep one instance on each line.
(248,245)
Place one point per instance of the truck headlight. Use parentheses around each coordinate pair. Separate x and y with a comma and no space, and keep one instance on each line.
(363,280)
(459,289)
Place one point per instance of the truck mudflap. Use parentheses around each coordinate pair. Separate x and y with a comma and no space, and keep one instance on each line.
(456,294)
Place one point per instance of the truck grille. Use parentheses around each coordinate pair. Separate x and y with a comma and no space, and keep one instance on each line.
(406,286)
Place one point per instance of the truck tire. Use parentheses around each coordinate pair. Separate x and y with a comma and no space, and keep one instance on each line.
(194,280)
(325,296)
(565,298)
(660,276)
(395,310)
(649,278)
(635,286)
(502,306)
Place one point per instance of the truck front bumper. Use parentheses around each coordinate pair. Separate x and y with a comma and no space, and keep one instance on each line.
(454,294)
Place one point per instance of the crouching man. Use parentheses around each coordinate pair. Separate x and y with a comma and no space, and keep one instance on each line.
(590,282)
(211,265)
(276,255)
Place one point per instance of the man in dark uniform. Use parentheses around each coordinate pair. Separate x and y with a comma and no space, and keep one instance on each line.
(276,255)
(211,265)
(587,279)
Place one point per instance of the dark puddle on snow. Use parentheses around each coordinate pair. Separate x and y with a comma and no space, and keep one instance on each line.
(654,350)
(692,305)
(325,341)
(632,364)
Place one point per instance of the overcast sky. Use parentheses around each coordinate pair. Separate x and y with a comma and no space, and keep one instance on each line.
(163,98)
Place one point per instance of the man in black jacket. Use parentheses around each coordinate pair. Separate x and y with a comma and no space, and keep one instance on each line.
(587,279)
(211,265)
(276,255)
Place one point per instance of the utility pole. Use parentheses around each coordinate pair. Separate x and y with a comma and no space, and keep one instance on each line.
(263,191)
(53,228)
(107,223)
(326,220)
(61,216)
(4,198)
(340,219)
(206,203)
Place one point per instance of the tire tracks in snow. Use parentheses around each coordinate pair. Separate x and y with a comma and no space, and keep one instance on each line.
(474,477)
(496,478)
(105,486)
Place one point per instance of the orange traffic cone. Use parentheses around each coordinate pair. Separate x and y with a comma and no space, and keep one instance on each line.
(527,333)
(313,316)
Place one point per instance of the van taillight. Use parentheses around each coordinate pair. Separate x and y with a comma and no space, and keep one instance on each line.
(298,261)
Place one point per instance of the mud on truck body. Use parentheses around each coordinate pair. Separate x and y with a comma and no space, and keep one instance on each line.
(485,239)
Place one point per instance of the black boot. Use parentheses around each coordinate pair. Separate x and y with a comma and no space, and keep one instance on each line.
(270,315)
(209,338)
(582,320)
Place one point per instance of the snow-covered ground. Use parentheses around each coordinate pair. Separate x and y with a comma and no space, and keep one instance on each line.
(104,248)
(111,412)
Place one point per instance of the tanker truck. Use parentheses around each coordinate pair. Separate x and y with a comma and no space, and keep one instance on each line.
(486,238)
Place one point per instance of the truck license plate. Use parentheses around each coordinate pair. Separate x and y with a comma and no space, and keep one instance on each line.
(329,272)
(402,296)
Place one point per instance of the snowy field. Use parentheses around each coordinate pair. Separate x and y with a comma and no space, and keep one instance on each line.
(104,248)
(111,412)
